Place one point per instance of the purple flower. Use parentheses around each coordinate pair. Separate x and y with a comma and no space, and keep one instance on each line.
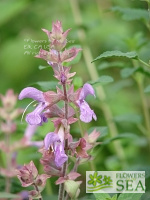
(54,142)
(36,117)
(86,114)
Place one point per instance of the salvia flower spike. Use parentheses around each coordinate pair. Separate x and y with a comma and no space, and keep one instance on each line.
(58,144)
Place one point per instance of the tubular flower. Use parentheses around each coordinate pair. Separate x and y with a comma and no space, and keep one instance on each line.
(36,117)
(86,114)
(55,143)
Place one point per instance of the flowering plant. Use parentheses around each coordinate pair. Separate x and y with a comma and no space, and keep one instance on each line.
(59,145)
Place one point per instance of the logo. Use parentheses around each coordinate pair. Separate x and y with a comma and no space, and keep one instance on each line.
(115,181)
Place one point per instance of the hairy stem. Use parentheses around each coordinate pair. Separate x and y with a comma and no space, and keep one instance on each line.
(74,170)
(94,76)
(37,189)
(64,170)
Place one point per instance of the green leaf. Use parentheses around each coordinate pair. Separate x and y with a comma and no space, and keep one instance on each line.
(102,196)
(8,195)
(130,196)
(126,72)
(102,80)
(144,71)
(109,54)
(131,13)
(105,65)
(147,89)
(44,67)
(48,197)
(145,196)
(76,59)
(133,118)
(120,136)
(46,85)
(102,129)
(114,197)
(72,187)
(140,141)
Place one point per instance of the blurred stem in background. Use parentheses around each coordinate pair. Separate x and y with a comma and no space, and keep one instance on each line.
(144,103)
(8,164)
(140,80)
(94,76)
(148,2)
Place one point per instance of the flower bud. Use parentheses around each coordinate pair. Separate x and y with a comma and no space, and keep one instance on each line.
(9,100)
(27,174)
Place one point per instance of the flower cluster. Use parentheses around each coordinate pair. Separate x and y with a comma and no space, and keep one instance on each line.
(59,143)
(8,126)
(8,114)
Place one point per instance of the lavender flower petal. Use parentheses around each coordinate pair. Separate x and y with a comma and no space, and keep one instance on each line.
(44,119)
(86,90)
(49,139)
(60,156)
(33,93)
(35,118)
(86,113)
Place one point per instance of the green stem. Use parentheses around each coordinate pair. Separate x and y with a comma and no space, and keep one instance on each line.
(94,76)
(144,63)
(148,25)
(142,129)
(140,79)
(144,105)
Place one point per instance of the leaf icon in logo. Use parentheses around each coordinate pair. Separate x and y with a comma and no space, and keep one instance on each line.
(95,179)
